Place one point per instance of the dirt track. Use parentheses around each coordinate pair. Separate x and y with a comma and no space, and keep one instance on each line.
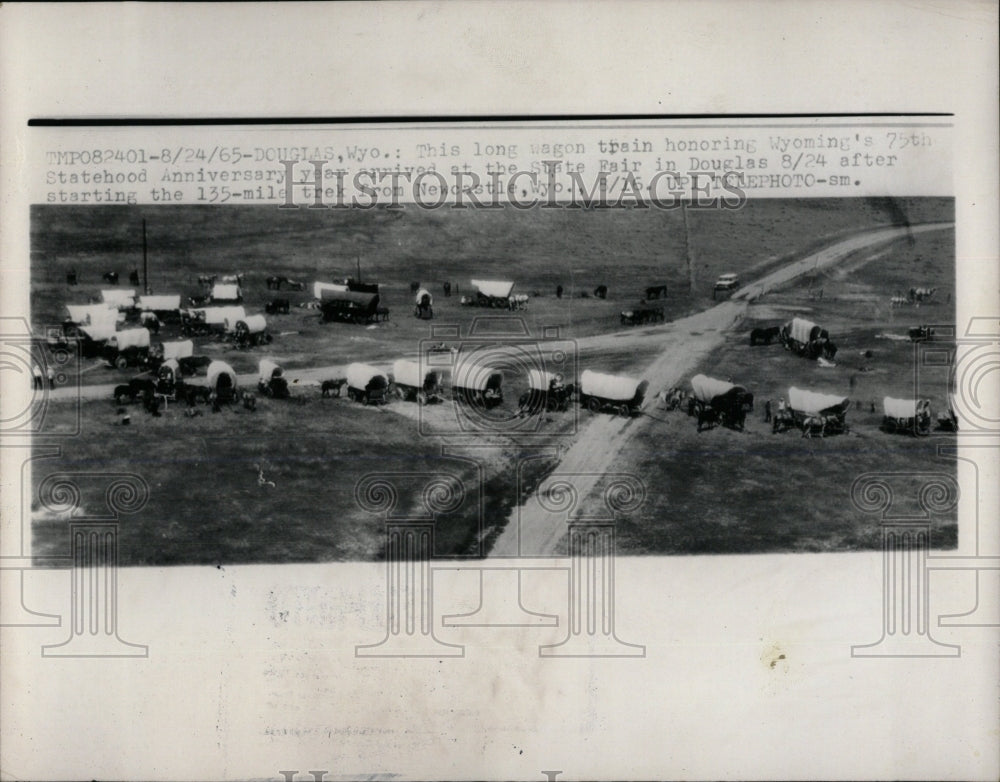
(534,531)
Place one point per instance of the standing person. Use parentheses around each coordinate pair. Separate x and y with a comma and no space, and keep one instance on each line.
(50,373)
(767,412)
(781,406)
(36,372)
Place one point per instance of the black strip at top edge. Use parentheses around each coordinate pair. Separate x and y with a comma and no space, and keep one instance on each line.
(78,122)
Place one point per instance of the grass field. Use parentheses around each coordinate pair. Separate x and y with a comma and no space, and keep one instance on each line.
(206,505)
(539,249)
(725,491)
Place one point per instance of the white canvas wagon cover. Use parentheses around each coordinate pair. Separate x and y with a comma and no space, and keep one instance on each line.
(160,303)
(224,291)
(408,373)
(267,368)
(100,332)
(902,408)
(172,365)
(217,369)
(421,293)
(131,338)
(475,375)
(361,375)
(618,388)
(799,329)
(497,288)
(540,379)
(320,287)
(216,316)
(707,388)
(814,402)
(122,299)
(255,324)
(92,314)
(179,349)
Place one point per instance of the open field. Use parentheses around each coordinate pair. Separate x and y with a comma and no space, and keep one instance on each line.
(717,491)
(539,249)
(726,491)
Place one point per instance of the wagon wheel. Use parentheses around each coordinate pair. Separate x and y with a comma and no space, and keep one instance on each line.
(121,362)
(594,404)
(623,411)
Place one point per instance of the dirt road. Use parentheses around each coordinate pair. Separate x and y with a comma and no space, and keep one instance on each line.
(534,531)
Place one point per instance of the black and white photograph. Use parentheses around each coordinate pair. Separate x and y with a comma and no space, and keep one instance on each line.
(499,391)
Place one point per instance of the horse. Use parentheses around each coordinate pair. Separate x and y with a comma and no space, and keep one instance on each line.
(601,292)
(899,301)
(707,418)
(656,291)
(332,387)
(277,306)
(920,294)
(764,336)
(814,425)
(294,285)
(207,280)
(195,394)
(274,283)
(110,277)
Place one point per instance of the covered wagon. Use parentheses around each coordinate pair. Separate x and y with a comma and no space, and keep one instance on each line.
(119,299)
(226,293)
(416,383)
(492,293)
(250,331)
(271,381)
(93,315)
(805,338)
(166,307)
(721,401)
(127,348)
(322,290)
(349,306)
(611,393)
(220,379)
(546,391)
(177,349)
(211,320)
(367,384)
(169,380)
(90,326)
(912,416)
(477,383)
(813,411)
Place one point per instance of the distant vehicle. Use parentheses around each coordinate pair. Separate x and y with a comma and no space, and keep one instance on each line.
(727,282)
